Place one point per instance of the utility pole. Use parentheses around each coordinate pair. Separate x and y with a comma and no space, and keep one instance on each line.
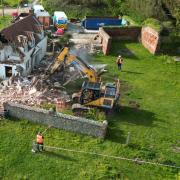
(2,4)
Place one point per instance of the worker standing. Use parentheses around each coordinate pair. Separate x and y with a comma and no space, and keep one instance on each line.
(39,141)
(119,62)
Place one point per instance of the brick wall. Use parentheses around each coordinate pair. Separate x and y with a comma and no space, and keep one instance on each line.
(107,34)
(150,39)
(130,33)
(106,41)
(45,21)
(61,121)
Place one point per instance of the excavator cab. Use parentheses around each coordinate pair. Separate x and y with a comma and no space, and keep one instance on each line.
(110,96)
(99,95)
(94,93)
(90,92)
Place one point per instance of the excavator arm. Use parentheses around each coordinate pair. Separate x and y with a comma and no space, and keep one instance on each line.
(93,93)
(65,59)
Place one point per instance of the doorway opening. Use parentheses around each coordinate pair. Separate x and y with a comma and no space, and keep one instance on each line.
(8,71)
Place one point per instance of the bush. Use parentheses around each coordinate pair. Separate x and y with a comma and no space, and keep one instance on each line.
(95,114)
(167,28)
(48,106)
(67,111)
(153,23)
(168,59)
(131,21)
(167,24)
(65,40)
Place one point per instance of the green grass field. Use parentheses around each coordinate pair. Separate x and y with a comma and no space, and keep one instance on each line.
(153,82)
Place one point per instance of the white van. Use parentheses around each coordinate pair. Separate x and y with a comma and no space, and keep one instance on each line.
(60,19)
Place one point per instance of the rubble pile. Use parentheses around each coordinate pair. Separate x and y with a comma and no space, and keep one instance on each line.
(22,91)
(41,86)
(35,89)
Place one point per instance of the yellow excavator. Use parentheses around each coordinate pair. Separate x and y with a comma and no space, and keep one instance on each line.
(94,93)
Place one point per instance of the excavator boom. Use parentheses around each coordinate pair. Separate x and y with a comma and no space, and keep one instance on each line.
(93,93)
(65,59)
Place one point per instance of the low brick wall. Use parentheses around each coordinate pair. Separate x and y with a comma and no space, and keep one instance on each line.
(150,39)
(57,120)
(121,33)
(127,33)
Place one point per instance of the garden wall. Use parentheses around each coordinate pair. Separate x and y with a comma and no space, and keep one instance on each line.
(57,120)
(121,33)
(150,39)
(129,32)
(106,41)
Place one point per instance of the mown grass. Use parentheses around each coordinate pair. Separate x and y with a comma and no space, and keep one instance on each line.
(149,81)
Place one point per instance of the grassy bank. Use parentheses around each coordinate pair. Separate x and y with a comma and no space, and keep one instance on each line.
(11,3)
(4,21)
(152,83)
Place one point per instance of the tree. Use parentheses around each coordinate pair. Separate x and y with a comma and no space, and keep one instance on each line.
(2,5)
(115,6)
(64,41)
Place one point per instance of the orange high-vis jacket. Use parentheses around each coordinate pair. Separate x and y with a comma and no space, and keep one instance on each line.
(119,61)
(39,139)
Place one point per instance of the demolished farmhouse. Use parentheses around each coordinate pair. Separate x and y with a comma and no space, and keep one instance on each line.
(22,46)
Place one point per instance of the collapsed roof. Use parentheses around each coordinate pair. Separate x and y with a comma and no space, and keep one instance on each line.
(22,27)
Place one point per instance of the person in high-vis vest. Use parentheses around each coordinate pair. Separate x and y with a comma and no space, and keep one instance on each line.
(39,141)
(119,62)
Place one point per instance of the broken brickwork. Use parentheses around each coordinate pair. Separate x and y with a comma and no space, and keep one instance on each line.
(106,41)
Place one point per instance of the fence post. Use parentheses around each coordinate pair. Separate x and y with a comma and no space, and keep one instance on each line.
(128,138)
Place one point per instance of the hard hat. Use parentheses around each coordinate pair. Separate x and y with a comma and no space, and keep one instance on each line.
(119,56)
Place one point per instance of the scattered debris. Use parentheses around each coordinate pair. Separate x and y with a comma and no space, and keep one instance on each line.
(33,90)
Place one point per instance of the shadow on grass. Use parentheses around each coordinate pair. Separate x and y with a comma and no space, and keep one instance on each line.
(131,72)
(118,48)
(131,116)
(171,48)
(115,135)
(134,116)
(52,154)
